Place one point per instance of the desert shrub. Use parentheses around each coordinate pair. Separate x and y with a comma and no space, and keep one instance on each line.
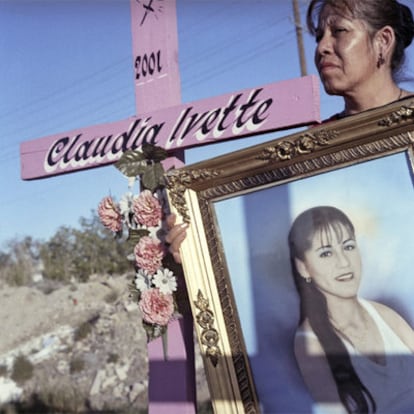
(112,296)
(10,408)
(18,262)
(83,330)
(205,408)
(112,358)
(76,365)
(64,399)
(71,253)
(22,369)
(78,253)
(3,370)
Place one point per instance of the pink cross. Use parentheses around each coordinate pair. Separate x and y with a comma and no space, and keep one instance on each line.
(163,120)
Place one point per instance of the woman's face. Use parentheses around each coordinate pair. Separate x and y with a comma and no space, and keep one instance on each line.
(333,262)
(344,56)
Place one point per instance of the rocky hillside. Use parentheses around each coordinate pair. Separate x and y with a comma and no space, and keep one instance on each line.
(76,348)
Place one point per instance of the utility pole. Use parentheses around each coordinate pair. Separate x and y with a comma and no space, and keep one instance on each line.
(299,37)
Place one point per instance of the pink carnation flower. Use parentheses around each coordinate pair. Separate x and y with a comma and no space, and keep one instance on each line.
(109,214)
(156,307)
(147,209)
(149,254)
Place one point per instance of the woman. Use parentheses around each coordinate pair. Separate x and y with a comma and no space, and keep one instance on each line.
(355,355)
(359,54)
(360,49)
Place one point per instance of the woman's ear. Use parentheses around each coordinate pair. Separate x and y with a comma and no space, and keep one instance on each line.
(302,269)
(384,41)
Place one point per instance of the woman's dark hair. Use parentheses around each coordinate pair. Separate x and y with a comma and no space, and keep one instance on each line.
(326,221)
(377,14)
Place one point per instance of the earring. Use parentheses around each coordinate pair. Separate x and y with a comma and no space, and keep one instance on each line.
(308,279)
(380,60)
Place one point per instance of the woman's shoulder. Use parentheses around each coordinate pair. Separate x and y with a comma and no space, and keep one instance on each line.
(340,115)
(334,117)
(387,313)
(407,94)
(306,342)
(396,322)
(305,330)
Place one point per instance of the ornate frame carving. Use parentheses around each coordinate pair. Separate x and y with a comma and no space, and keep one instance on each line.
(194,189)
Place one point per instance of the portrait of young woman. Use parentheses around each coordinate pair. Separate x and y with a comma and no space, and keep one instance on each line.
(354,355)
(324,293)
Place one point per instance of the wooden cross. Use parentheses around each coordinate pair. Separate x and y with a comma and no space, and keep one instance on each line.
(163,120)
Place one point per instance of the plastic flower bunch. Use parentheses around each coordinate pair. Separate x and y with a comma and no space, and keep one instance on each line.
(142,215)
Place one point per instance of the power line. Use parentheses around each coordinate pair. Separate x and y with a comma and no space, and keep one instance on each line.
(229,64)
(70,90)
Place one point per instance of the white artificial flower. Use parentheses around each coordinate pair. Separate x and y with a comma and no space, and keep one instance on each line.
(142,280)
(153,231)
(125,204)
(131,182)
(165,281)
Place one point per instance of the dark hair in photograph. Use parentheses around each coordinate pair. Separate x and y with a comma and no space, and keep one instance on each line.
(326,221)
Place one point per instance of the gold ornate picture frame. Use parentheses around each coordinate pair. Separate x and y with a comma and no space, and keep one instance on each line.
(239,208)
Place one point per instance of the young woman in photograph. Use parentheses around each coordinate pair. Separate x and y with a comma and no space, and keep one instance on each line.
(355,355)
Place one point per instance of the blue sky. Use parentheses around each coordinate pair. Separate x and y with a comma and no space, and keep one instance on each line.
(68,64)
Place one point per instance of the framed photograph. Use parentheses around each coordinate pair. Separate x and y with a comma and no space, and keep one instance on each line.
(240,208)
